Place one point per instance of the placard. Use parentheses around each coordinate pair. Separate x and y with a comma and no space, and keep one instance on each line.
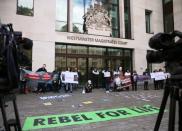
(158,76)
(69,77)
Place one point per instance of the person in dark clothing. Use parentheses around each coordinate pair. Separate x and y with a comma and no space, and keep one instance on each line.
(161,82)
(156,82)
(43,68)
(56,81)
(41,84)
(107,79)
(23,81)
(134,80)
(88,87)
(95,77)
(146,73)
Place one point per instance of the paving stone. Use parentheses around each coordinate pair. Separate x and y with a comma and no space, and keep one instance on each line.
(31,105)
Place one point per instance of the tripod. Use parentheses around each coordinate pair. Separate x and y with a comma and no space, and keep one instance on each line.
(174,89)
(9,122)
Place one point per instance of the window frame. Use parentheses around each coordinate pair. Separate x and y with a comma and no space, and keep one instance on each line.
(148,21)
(24,14)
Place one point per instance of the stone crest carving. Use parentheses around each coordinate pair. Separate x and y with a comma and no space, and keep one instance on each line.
(97,21)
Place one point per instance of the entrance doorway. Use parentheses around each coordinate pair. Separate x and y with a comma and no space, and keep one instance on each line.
(87,57)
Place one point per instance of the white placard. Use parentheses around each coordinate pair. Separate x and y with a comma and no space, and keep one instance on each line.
(158,76)
(107,74)
(69,77)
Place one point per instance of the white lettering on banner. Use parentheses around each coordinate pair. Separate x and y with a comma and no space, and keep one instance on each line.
(97,40)
(158,76)
(69,77)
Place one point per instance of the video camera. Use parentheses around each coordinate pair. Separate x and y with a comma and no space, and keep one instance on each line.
(11,56)
(167,49)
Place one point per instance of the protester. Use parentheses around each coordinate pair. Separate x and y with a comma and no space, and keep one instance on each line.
(88,87)
(116,80)
(75,85)
(146,73)
(55,81)
(127,79)
(156,82)
(161,82)
(121,76)
(41,84)
(43,68)
(116,72)
(117,83)
(95,77)
(127,73)
(107,78)
(68,86)
(23,80)
(134,80)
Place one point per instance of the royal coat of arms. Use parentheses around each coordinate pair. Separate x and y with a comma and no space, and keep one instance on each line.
(97,20)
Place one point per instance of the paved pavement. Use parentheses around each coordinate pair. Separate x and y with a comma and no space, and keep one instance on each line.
(32,104)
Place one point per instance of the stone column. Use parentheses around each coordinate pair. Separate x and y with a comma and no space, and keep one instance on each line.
(70,15)
(121,19)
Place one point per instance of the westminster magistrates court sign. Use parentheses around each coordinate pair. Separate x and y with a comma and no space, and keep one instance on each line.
(95,40)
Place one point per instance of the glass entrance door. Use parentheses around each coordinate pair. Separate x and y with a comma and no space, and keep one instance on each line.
(114,63)
(81,65)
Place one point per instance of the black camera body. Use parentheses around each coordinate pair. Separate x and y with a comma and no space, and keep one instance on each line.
(167,49)
(11,44)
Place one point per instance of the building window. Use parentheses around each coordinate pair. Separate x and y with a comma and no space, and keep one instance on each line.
(127,19)
(61,15)
(78,9)
(25,7)
(168,16)
(148,20)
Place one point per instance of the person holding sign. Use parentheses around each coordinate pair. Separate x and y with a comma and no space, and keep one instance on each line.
(107,78)
(41,84)
(68,85)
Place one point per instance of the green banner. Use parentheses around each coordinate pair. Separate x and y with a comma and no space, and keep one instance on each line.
(50,121)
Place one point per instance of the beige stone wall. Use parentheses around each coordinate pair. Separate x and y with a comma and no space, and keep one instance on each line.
(177,15)
(41,29)
(141,38)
